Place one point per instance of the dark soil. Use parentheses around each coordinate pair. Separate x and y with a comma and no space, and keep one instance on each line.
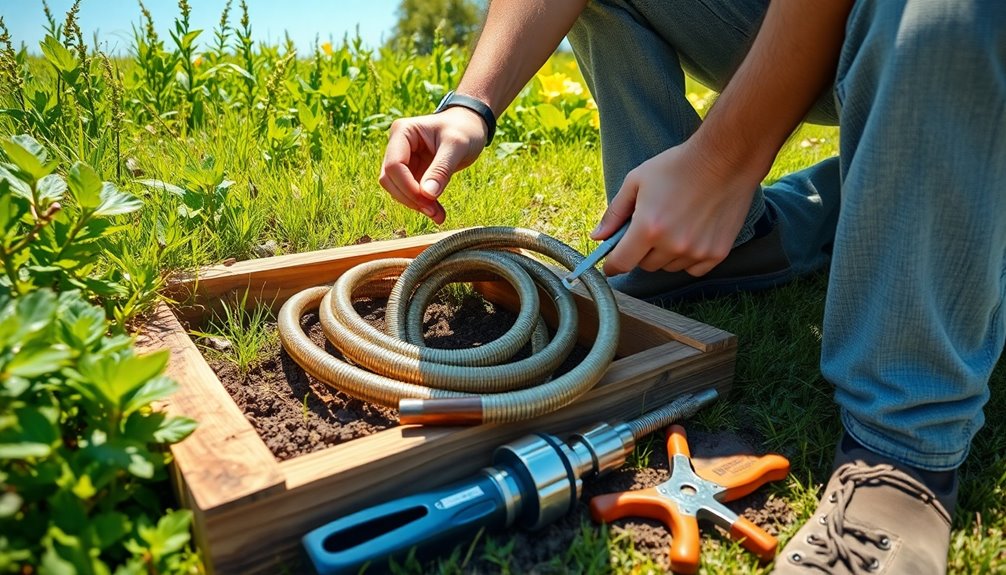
(272,395)
(296,414)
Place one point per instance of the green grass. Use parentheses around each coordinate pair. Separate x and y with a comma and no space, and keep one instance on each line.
(249,329)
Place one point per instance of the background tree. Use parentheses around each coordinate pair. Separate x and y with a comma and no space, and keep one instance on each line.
(418,20)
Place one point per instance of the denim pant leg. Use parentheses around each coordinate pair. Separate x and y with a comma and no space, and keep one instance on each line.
(632,53)
(914,322)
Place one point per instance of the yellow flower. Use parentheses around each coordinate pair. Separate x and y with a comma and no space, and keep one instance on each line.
(551,85)
(595,120)
(327,48)
(591,104)
(555,85)
(198,61)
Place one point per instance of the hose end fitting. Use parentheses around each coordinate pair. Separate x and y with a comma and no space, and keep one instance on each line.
(459,411)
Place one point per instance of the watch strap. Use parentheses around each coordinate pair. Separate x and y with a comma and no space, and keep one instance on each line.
(452,99)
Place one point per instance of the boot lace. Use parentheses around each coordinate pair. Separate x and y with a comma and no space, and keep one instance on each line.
(834,547)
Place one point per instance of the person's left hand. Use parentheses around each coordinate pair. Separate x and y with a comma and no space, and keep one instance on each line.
(686,208)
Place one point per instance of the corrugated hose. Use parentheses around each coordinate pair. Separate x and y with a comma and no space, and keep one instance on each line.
(455,386)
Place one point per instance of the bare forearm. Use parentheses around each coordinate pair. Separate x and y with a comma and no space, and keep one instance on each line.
(518,36)
(792,60)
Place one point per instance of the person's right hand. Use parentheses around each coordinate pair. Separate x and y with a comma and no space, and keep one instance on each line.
(424,152)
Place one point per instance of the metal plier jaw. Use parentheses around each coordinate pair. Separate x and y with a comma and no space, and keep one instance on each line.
(687,496)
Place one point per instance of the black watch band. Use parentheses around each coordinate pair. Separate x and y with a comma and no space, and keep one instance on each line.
(452,99)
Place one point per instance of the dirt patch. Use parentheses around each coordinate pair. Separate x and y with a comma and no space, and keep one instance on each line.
(296,414)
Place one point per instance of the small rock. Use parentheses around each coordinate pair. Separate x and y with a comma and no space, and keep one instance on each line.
(266,250)
(364,239)
(230,261)
(218,343)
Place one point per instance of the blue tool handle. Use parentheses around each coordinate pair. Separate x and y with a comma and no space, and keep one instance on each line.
(429,521)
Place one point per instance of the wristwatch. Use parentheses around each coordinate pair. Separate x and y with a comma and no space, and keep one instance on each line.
(452,99)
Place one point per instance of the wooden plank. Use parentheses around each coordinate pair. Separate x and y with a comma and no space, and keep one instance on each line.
(327,484)
(224,462)
(274,280)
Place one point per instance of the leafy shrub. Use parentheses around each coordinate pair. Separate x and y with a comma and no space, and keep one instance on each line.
(81,451)
(80,446)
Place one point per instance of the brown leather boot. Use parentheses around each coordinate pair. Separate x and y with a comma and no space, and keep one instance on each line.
(875,516)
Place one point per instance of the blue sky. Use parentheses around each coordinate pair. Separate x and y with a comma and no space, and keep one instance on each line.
(304,20)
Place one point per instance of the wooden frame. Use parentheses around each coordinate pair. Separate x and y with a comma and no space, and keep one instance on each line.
(251,510)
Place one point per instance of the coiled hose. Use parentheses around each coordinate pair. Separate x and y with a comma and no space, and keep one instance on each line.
(467,386)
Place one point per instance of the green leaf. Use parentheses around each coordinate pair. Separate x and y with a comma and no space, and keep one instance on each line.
(551,118)
(121,454)
(32,146)
(115,202)
(39,361)
(189,38)
(309,117)
(134,566)
(157,427)
(52,187)
(119,378)
(28,156)
(170,535)
(57,55)
(14,387)
(155,389)
(110,527)
(82,327)
(53,564)
(34,313)
(159,185)
(335,89)
(175,430)
(16,185)
(39,423)
(85,186)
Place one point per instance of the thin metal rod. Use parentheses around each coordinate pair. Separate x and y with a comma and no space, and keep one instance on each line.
(595,256)
(680,408)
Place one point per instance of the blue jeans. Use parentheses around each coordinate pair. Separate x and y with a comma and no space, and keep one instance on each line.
(911,216)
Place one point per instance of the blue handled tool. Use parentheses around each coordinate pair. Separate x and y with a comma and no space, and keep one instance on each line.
(595,256)
(533,481)
(433,519)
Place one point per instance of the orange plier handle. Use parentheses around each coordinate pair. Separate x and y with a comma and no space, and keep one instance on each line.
(731,478)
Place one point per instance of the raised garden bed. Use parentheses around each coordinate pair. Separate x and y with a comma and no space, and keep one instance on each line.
(251,507)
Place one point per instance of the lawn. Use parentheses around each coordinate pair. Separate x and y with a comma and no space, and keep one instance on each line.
(245,150)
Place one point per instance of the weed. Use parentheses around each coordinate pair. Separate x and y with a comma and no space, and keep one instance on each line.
(249,333)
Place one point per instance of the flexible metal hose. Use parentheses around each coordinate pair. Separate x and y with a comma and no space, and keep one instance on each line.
(443,386)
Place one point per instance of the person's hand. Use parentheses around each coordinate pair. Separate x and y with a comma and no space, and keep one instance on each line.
(686,208)
(424,152)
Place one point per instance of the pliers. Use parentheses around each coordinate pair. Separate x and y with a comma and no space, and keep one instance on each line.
(688,495)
